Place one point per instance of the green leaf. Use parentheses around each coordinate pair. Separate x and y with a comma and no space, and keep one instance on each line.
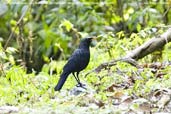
(11,50)
(138,27)
(11,59)
(66,24)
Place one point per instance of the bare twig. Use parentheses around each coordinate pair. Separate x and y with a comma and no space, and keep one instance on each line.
(18,22)
(166,11)
(112,63)
(2,69)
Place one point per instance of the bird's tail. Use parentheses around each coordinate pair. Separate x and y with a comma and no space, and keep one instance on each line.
(61,81)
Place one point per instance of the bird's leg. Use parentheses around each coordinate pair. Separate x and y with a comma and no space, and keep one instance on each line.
(75,77)
(78,77)
(79,83)
(78,80)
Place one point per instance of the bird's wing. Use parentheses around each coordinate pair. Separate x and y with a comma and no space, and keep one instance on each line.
(78,61)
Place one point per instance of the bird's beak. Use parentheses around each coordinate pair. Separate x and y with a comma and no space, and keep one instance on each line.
(93,38)
(93,41)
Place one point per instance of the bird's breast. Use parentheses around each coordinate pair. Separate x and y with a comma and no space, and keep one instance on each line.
(78,61)
(84,60)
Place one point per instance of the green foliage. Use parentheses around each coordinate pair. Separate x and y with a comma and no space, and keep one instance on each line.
(37,90)
(47,35)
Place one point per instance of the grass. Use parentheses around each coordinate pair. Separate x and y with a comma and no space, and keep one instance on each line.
(34,93)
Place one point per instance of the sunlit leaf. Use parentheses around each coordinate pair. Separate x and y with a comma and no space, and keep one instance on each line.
(11,50)
(67,24)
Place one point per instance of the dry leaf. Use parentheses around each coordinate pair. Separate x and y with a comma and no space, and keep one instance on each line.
(141,105)
(163,101)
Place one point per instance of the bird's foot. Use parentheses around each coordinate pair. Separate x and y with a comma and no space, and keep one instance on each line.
(81,85)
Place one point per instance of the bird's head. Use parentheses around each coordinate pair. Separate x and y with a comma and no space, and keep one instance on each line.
(86,42)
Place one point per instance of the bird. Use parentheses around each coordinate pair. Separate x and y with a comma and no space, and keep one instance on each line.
(76,63)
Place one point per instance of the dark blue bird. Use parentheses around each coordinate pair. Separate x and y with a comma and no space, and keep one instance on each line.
(76,63)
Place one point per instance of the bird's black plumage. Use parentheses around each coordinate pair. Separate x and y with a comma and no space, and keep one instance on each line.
(76,63)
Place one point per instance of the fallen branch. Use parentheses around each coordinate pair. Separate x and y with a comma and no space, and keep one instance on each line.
(112,63)
(140,52)
(150,46)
